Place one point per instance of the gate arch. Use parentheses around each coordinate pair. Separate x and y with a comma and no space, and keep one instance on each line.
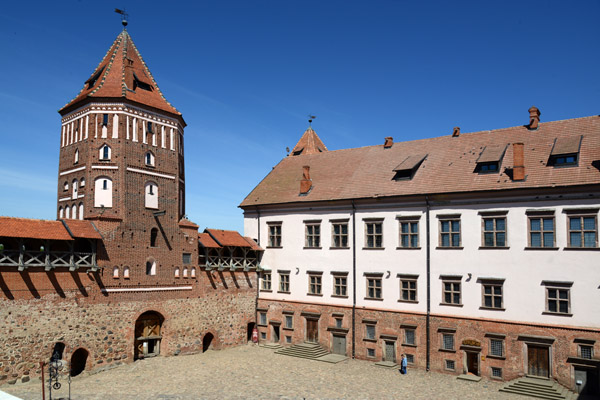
(148,335)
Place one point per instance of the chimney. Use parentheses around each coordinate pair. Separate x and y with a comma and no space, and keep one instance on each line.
(534,118)
(456,132)
(306,182)
(389,142)
(518,162)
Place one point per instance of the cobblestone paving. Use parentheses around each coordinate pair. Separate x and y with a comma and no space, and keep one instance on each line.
(251,372)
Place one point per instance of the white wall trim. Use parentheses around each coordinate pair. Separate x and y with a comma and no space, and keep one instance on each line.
(146,289)
(70,171)
(141,171)
(105,167)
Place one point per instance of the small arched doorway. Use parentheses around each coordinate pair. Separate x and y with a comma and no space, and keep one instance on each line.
(249,331)
(207,341)
(57,351)
(148,334)
(78,361)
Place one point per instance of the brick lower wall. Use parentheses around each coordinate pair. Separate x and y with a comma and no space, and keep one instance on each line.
(470,336)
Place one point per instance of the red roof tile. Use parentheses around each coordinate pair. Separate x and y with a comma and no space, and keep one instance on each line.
(33,228)
(228,238)
(187,223)
(122,73)
(253,244)
(367,172)
(83,229)
(309,143)
(207,241)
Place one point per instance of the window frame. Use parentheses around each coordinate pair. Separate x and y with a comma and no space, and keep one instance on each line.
(266,281)
(288,317)
(451,280)
(341,276)
(275,230)
(406,278)
(375,222)
(493,283)
(451,232)
(558,286)
(312,234)
(410,220)
(581,346)
(581,214)
(405,341)
(370,324)
(540,215)
(315,283)
(284,282)
(262,318)
(339,236)
(444,334)
(371,280)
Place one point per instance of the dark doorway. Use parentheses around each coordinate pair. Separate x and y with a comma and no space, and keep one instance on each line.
(390,351)
(275,333)
(207,341)
(250,329)
(473,363)
(148,334)
(339,345)
(57,351)
(312,330)
(586,381)
(78,361)
(537,361)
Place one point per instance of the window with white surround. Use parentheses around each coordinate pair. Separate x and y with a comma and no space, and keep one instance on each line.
(193,272)
(126,272)
(151,195)
(82,182)
(340,284)
(115,272)
(74,211)
(451,293)
(76,158)
(541,229)
(312,234)
(265,281)
(66,186)
(176,272)
(374,234)
(493,229)
(558,297)
(67,212)
(103,192)
(284,281)
(149,159)
(74,186)
(274,234)
(374,291)
(339,234)
(315,283)
(409,232)
(151,267)
(582,228)
(105,153)
(450,231)
(81,211)
(185,272)
(61,212)
(492,293)
(408,288)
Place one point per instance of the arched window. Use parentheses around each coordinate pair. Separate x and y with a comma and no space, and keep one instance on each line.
(66,186)
(193,274)
(126,272)
(149,159)
(115,272)
(151,197)
(185,272)
(105,152)
(82,182)
(74,211)
(61,213)
(176,272)
(153,236)
(74,185)
(80,210)
(151,267)
(103,192)
(76,157)
(67,212)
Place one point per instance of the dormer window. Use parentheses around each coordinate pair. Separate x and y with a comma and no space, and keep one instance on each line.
(490,159)
(565,152)
(92,81)
(149,159)
(406,169)
(137,83)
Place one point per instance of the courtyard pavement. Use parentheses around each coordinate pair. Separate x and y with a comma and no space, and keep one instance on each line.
(252,372)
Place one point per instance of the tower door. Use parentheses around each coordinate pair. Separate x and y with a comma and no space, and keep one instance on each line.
(537,361)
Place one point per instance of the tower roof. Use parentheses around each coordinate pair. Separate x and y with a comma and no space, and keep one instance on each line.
(309,143)
(122,73)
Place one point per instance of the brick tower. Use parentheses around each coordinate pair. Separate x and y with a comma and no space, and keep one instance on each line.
(122,166)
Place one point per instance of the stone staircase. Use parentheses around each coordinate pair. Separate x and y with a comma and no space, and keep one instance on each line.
(539,388)
(311,351)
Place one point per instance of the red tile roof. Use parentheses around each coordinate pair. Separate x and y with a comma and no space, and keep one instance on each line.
(309,143)
(187,223)
(228,238)
(83,229)
(367,172)
(33,228)
(253,244)
(207,241)
(121,74)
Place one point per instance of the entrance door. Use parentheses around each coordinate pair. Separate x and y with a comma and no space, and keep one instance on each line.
(473,363)
(339,345)
(390,351)
(275,333)
(147,335)
(537,361)
(586,381)
(312,330)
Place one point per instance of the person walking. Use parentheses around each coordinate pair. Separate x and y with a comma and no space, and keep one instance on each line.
(403,364)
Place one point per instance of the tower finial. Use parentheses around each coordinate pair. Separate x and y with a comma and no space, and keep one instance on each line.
(124,16)
(310,119)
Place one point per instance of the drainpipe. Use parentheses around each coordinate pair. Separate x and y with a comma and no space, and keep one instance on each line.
(428,267)
(257,283)
(353,280)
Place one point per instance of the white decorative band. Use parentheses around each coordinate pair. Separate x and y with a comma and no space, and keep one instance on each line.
(105,167)
(65,199)
(81,196)
(146,289)
(141,171)
(70,171)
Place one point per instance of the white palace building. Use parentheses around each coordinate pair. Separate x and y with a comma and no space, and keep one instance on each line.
(470,253)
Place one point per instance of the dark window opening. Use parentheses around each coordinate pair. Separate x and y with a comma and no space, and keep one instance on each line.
(207,341)
(149,126)
(150,189)
(92,81)
(105,184)
(407,169)
(57,352)
(488,167)
(140,84)
(187,258)
(563,159)
(153,236)
(104,119)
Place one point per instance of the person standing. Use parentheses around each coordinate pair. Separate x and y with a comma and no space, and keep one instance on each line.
(403,365)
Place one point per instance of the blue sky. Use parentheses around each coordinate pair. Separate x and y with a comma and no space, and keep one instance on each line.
(245,75)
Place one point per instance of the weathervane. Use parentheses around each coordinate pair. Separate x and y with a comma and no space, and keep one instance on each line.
(124,16)
(310,119)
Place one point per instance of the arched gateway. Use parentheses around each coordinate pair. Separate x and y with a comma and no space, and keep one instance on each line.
(148,334)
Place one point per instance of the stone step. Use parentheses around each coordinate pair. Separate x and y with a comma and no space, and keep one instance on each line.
(303,350)
(533,393)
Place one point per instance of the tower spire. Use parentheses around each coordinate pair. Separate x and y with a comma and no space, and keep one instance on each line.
(124,17)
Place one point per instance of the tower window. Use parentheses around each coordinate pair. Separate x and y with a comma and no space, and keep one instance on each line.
(92,81)
(149,127)
(151,195)
(76,160)
(151,267)
(137,83)
(150,159)
(104,119)
(153,236)
(105,184)
(105,152)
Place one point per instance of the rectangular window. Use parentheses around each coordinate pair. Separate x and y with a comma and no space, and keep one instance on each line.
(262,318)
(266,280)
(558,300)
(541,231)
(289,321)
(408,288)
(314,284)
(492,294)
(104,119)
(288,339)
(450,365)
(496,372)
(371,353)
(275,235)
(340,286)
(494,232)
(374,287)
(451,292)
(313,235)
(586,351)
(450,232)
(339,234)
(583,231)
(409,336)
(187,258)
(338,322)
(448,341)
(284,282)
(263,335)
(374,234)
(410,358)
(409,234)
(370,332)
(497,347)
(149,127)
